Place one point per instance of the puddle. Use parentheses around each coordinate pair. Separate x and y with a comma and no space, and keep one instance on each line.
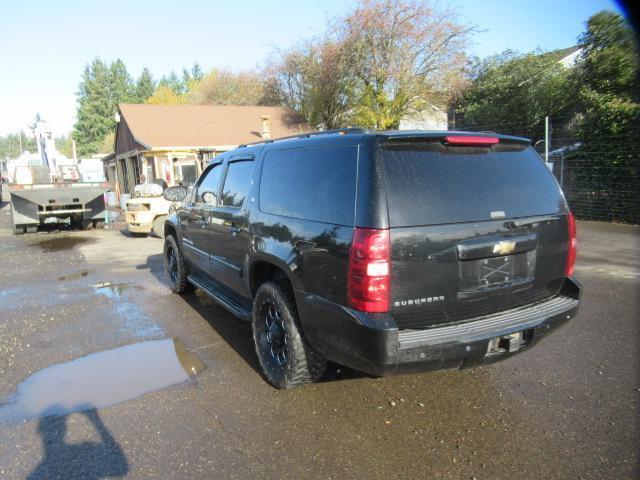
(74,276)
(102,379)
(114,290)
(135,320)
(58,244)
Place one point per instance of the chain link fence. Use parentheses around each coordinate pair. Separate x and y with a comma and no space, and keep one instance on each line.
(600,177)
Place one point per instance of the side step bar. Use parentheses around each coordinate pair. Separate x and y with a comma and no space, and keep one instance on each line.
(236,304)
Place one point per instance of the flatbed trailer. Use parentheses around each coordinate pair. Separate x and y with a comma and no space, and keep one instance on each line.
(80,202)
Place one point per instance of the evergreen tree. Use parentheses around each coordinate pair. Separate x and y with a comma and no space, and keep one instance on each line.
(122,86)
(196,72)
(101,89)
(145,86)
(173,82)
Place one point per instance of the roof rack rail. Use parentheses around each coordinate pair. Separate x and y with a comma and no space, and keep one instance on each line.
(340,131)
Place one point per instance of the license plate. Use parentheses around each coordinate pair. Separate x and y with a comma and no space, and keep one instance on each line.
(493,271)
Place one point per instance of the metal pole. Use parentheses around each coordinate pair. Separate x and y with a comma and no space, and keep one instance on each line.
(546,139)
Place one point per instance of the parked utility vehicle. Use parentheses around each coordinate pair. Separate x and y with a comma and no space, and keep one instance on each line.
(49,188)
(147,211)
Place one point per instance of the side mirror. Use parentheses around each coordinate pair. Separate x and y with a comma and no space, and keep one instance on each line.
(175,194)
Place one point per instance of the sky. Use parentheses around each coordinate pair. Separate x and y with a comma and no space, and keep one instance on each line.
(44,45)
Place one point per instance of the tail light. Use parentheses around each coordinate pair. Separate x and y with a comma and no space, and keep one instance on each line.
(573,244)
(369,270)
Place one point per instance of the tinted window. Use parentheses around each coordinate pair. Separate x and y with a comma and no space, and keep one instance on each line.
(316,183)
(430,184)
(209,185)
(237,183)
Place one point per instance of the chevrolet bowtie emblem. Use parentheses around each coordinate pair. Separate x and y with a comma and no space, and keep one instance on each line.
(505,247)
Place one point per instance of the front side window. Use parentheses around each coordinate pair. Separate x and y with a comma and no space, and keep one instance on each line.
(208,188)
(236,183)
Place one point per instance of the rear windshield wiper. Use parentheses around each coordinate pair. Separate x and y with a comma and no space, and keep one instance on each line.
(529,221)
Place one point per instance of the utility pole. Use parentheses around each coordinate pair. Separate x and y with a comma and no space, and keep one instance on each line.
(20,142)
(546,140)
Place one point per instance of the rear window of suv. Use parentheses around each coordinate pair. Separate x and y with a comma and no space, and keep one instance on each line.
(313,183)
(430,184)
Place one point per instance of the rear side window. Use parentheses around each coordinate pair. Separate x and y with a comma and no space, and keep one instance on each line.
(236,183)
(429,184)
(316,183)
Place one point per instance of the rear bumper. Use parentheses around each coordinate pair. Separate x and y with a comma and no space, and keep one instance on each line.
(373,343)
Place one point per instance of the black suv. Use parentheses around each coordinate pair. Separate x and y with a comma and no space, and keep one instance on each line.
(382,251)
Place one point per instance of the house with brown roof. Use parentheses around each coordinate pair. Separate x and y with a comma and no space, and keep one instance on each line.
(175,142)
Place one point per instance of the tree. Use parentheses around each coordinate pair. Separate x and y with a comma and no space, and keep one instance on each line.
(164,95)
(145,86)
(95,109)
(405,54)
(108,143)
(382,60)
(314,79)
(609,123)
(121,88)
(101,89)
(220,87)
(10,144)
(175,83)
(196,72)
(512,93)
(64,145)
(610,56)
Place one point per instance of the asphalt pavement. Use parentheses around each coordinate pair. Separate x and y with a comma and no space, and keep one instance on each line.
(104,373)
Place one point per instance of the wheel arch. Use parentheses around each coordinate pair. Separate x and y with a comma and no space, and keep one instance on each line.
(263,269)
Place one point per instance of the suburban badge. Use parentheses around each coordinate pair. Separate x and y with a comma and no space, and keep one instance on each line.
(418,301)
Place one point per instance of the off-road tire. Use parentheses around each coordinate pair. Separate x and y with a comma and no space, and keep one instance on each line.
(176,274)
(302,364)
(158,226)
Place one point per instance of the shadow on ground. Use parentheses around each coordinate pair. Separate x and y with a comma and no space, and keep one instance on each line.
(85,460)
(234,331)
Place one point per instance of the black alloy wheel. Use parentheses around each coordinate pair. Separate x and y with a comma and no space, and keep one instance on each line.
(287,360)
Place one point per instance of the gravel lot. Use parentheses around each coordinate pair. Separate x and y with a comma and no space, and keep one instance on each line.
(567,409)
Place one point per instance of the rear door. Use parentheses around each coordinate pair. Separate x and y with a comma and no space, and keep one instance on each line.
(474,230)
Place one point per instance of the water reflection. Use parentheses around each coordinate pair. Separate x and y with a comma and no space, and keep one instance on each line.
(102,379)
(58,244)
